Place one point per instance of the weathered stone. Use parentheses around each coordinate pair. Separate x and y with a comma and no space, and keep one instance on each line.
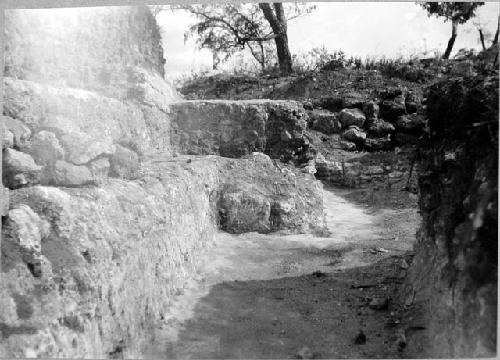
(353,99)
(68,110)
(128,36)
(81,148)
(411,103)
(391,109)
(463,68)
(348,117)
(151,89)
(99,169)
(124,163)
(371,110)
(236,128)
(354,134)
(294,197)
(337,173)
(378,144)
(390,93)
(45,148)
(67,174)
(381,128)
(19,169)
(324,121)
(243,212)
(347,145)
(4,200)
(410,124)
(7,138)
(18,129)
(25,227)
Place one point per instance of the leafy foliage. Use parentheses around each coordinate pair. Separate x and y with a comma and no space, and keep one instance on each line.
(229,28)
(458,12)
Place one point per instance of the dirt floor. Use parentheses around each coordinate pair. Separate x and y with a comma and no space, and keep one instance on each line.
(299,296)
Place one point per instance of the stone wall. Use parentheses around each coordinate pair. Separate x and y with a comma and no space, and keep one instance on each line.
(105,220)
(453,278)
(86,48)
(237,128)
(87,272)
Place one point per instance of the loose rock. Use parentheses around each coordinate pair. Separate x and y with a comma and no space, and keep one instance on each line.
(381,128)
(66,174)
(391,109)
(19,130)
(348,117)
(45,148)
(410,124)
(354,134)
(324,121)
(19,169)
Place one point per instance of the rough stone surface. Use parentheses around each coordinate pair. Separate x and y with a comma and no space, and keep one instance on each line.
(242,211)
(354,134)
(378,144)
(453,277)
(410,124)
(92,266)
(43,107)
(371,110)
(381,128)
(412,103)
(20,132)
(391,109)
(347,145)
(67,174)
(99,169)
(122,38)
(27,227)
(124,163)
(324,121)
(257,195)
(19,169)
(82,148)
(237,128)
(7,138)
(349,117)
(92,260)
(45,148)
(151,89)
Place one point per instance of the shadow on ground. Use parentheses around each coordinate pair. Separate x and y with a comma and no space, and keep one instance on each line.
(279,318)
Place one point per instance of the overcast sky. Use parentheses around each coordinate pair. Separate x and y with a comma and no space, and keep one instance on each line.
(368,29)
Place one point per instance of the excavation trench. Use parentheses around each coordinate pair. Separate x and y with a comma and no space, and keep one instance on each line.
(271,295)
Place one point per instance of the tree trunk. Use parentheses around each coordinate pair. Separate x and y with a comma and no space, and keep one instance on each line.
(451,42)
(495,39)
(277,21)
(481,37)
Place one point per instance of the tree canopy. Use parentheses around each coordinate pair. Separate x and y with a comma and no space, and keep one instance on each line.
(456,12)
(230,28)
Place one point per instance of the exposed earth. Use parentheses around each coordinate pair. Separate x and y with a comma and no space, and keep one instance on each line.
(299,296)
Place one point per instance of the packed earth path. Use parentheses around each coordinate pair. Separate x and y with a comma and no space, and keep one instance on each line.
(297,296)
